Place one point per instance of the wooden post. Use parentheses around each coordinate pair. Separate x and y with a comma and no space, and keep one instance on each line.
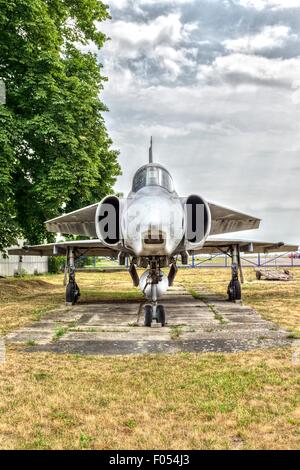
(20,268)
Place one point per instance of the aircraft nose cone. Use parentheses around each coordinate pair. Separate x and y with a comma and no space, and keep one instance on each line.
(153,223)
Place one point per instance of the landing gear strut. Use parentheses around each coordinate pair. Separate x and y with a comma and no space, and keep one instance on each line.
(134,274)
(234,289)
(153,283)
(172,274)
(154,311)
(72,289)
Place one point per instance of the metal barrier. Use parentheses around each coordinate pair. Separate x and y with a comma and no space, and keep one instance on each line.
(281,260)
(203,261)
(39,265)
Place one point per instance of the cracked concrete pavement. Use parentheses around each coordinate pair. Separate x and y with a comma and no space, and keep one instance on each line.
(207,324)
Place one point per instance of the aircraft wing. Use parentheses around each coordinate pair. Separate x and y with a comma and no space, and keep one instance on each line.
(217,245)
(80,222)
(81,248)
(225,220)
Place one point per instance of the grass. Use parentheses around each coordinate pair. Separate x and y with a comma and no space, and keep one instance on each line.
(276,301)
(191,401)
(176,331)
(82,330)
(59,333)
(182,401)
(22,301)
(294,335)
(28,299)
(212,307)
(217,315)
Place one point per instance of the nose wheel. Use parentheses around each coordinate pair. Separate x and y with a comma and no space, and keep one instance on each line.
(148,315)
(154,313)
(161,315)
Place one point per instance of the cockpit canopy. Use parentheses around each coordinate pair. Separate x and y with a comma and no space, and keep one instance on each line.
(152,175)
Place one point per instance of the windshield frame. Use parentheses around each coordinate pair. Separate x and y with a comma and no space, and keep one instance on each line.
(152,175)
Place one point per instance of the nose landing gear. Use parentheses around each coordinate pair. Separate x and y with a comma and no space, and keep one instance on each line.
(156,284)
(148,315)
(154,313)
(153,283)
(161,315)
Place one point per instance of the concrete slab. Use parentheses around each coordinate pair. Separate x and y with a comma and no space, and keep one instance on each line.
(113,328)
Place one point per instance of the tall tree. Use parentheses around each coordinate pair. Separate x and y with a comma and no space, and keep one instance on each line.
(55,152)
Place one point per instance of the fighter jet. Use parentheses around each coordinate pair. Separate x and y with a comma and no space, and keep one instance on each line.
(153,228)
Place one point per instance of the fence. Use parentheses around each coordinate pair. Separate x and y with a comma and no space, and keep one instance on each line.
(38,264)
(30,265)
(280,260)
(204,261)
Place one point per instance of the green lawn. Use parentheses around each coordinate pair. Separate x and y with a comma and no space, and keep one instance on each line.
(184,401)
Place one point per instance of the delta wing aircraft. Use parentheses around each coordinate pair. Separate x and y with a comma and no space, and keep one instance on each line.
(152,228)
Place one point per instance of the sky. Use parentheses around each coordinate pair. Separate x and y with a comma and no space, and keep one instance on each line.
(217,84)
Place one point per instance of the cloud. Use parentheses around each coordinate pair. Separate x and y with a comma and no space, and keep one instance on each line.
(216,83)
(244,68)
(131,37)
(271,4)
(269,38)
(143,9)
(122,4)
(152,48)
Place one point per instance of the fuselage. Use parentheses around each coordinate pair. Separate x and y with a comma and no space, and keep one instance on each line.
(153,221)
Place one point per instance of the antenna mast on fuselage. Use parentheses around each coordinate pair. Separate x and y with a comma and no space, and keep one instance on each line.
(151,151)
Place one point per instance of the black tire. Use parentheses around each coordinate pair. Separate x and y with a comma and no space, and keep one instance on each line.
(77,293)
(148,315)
(234,291)
(72,293)
(161,315)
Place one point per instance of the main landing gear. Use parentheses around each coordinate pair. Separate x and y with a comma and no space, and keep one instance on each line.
(72,289)
(234,290)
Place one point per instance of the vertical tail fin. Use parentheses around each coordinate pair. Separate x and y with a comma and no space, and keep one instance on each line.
(151,151)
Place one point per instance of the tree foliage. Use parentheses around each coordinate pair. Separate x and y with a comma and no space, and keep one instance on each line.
(55,152)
